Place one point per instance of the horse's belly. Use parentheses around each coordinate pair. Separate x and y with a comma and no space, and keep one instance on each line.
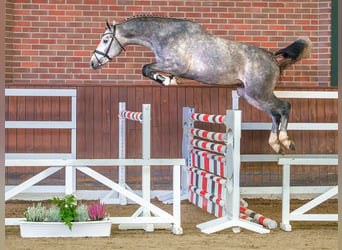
(218,74)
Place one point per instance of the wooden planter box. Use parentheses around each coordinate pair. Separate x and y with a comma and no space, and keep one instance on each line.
(59,229)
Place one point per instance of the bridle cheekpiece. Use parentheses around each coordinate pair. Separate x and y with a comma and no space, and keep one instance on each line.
(105,54)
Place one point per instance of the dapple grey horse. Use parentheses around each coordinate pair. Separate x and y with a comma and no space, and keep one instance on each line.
(185,49)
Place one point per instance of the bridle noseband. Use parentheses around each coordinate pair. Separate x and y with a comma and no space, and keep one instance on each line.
(105,54)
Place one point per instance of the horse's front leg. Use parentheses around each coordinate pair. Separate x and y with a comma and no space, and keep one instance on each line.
(150,71)
(164,80)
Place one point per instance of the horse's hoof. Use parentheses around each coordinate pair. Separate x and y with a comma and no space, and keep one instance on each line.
(173,81)
(281,151)
(292,146)
(162,80)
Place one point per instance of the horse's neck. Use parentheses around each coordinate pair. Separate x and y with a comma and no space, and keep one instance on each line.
(134,33)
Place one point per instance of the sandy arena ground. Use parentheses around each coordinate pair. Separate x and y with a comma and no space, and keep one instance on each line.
(305,235)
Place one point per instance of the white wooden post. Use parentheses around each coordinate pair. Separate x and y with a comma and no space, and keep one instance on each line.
(122,152)
(70,180)
(285,221)
(176,227)
(235,100)
(186,147)
(233,131)
(70,172)
(146,155)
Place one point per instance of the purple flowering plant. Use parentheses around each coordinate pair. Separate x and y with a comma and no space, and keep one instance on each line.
(96,211)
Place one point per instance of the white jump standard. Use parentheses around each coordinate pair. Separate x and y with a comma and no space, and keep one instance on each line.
(144,118)
(214,170)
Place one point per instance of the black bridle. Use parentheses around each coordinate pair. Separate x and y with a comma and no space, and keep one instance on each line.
(105,54)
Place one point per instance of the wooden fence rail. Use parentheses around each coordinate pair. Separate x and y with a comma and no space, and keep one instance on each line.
(97,131)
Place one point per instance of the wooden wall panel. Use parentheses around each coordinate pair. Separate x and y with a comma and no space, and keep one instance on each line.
(97,129)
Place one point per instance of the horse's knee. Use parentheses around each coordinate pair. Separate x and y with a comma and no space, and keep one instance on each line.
(145,70)
(241,91)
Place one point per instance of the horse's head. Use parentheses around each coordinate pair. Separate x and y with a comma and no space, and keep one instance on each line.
(108,48)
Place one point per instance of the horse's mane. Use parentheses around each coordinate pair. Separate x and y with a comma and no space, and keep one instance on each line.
(151,16)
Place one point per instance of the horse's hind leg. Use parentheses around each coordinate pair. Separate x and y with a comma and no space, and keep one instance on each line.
(273,139)
(280,116)
(279,110)
(285,113)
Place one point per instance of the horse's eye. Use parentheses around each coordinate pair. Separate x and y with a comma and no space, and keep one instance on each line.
(105,40)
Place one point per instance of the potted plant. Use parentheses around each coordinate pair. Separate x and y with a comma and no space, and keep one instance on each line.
(65,218)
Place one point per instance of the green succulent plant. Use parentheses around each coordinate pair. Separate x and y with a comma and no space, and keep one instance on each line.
(82,213)
(36,213)
(54,214)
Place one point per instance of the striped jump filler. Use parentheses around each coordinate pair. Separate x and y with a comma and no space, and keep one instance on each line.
(205,134)
(207,153)
(135,116)
(215,147)
(208,118)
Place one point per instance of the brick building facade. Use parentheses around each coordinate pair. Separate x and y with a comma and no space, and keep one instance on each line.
(51,41)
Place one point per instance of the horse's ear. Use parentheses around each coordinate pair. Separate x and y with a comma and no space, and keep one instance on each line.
(114,23)
(108,25)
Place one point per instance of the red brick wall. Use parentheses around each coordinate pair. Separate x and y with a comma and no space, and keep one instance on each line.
(51,41)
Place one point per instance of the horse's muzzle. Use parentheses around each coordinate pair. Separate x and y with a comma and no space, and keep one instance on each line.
(94,65)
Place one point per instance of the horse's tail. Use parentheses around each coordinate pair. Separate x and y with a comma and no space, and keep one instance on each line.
(294,52)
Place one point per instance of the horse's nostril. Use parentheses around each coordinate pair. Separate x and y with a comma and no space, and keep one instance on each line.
(92,64)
